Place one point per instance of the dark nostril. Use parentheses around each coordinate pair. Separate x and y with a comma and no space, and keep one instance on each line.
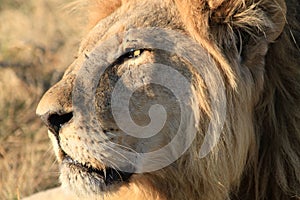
(56,121)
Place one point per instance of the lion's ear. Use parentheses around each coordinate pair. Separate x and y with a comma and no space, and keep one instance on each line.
(267,16)
(277,12)
(264,17)
(231,28)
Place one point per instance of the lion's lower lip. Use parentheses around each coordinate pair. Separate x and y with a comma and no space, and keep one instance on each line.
(107,176)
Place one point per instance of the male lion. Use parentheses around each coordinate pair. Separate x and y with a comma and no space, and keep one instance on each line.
(220,81)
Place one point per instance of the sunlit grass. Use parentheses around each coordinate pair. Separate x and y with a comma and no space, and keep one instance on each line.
(38,40)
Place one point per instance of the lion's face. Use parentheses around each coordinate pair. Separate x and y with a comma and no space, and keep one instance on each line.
(91,150)
(144,94)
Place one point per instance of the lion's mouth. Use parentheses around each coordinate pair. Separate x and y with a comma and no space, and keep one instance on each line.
(104,178)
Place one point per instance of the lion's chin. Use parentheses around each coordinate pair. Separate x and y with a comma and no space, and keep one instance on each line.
(86,180)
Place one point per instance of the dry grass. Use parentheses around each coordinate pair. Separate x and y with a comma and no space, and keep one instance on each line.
(38,39)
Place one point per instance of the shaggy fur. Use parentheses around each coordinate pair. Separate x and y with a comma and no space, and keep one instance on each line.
(255,44)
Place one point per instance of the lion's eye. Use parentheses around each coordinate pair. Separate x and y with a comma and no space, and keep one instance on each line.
(135,53)
(131,54)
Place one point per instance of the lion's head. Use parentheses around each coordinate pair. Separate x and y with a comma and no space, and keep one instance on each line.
(181,100)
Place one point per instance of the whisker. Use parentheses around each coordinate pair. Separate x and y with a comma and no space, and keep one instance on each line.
(123,156)
(116,168)
(126,148)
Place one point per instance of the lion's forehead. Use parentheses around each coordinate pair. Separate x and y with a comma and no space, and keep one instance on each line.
(133,15)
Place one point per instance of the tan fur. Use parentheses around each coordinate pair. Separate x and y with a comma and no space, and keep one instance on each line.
(100,9)
(255,44)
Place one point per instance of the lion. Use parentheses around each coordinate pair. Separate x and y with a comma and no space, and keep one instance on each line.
(226,70)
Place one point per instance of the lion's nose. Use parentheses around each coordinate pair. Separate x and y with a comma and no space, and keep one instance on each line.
(55,108)
(55,121)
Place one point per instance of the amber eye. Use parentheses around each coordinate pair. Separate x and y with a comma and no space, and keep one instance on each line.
(135,53)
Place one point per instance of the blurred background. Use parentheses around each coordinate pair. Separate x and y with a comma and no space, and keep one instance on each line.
(38,40)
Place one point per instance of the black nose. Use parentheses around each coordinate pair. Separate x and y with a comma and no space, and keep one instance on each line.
(55,121)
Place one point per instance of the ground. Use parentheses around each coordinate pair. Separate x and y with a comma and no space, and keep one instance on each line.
(30,61)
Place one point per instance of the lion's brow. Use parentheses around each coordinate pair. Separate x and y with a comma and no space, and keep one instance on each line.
(99,9)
